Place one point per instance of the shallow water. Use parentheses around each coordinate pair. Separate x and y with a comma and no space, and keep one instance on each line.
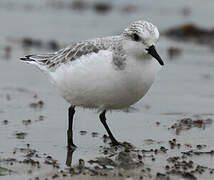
(183,88)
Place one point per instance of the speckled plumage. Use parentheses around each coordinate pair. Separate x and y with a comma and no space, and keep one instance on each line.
(78,49)
(140,27)
(105,73)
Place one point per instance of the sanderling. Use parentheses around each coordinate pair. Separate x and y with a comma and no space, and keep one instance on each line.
(104,73)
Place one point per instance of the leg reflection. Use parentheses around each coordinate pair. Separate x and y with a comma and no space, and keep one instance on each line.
(69,156)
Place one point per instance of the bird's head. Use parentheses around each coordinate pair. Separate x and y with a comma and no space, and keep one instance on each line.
(140,39)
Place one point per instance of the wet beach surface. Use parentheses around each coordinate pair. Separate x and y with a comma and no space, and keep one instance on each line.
(169,136)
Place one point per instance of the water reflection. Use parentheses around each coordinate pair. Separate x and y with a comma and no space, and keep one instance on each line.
(69,157)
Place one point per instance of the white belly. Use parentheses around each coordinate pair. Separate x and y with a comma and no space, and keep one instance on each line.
(96,83)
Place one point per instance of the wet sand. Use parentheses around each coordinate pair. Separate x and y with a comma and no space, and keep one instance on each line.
(171,132)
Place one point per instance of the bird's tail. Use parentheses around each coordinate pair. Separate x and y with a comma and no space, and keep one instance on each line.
(41,61)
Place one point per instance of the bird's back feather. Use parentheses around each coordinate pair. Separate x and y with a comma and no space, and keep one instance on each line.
(75,51)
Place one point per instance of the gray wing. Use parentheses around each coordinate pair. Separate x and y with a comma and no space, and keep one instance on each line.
(73,52)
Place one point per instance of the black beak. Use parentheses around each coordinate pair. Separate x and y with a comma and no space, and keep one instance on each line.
(151,50)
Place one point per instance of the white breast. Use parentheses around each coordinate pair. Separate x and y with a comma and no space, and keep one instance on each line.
(92,81)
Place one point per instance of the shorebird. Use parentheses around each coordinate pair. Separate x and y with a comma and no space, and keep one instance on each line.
(104,73)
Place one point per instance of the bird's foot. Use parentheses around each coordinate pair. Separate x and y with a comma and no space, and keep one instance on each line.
(115,143)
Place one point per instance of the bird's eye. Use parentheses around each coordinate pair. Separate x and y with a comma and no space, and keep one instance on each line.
(136,37)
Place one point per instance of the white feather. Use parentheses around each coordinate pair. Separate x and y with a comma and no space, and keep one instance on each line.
(92,81)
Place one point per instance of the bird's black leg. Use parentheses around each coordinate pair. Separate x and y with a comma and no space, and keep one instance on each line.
(70,143)
(103,120)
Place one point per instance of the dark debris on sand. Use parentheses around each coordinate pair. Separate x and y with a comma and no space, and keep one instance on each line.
(179,165)
(188,123)
(174,52)
(193,33)
(21,135)
(28,42)
(38,104)
(122,161)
